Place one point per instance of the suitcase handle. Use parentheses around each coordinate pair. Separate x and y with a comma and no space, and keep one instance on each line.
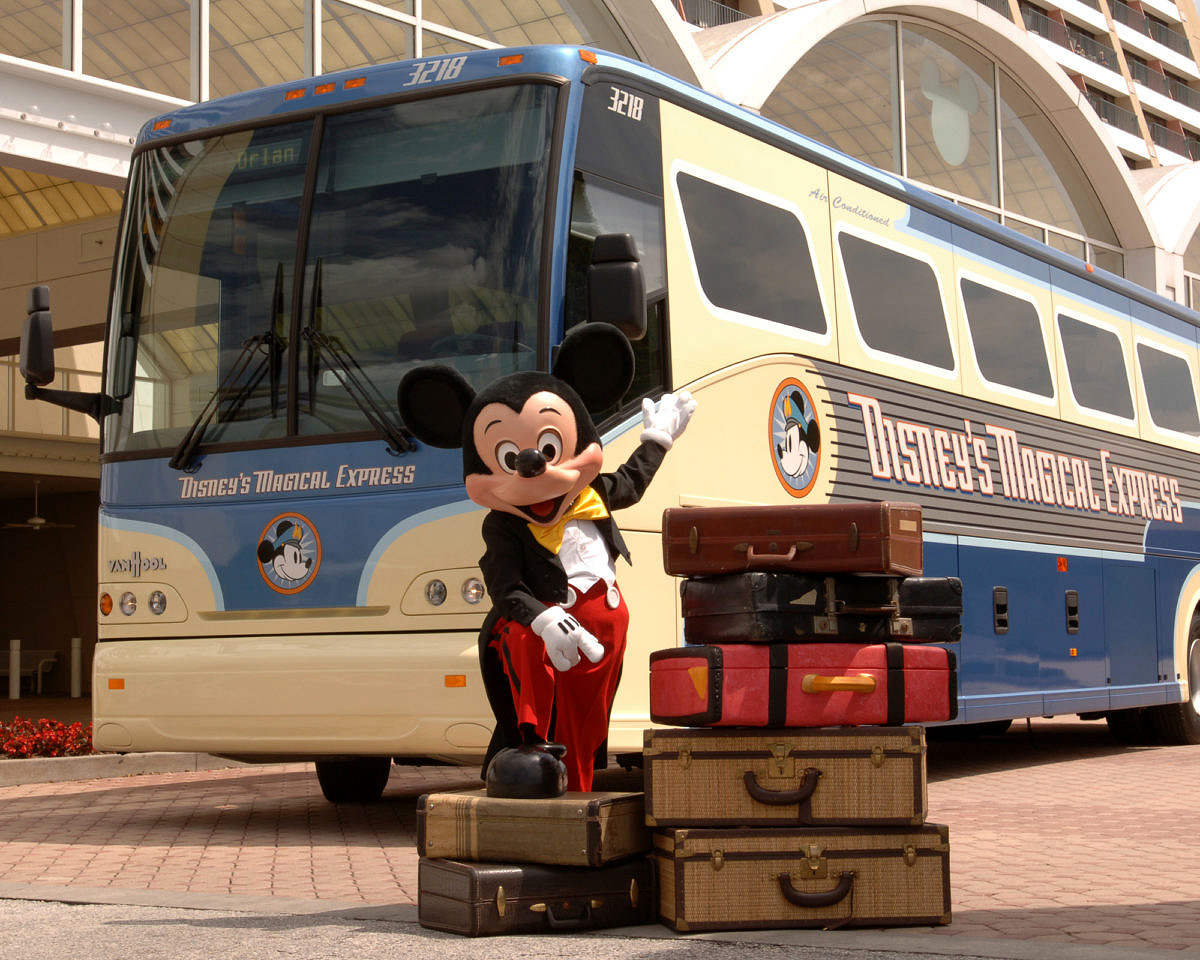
(815,683)
(782,798)
(581,922)
(826,898)
(796,547)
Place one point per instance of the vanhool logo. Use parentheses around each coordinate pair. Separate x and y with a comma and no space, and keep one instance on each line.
(136,565)
(967,460)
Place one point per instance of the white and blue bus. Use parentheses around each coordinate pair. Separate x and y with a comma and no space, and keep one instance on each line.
(285,573)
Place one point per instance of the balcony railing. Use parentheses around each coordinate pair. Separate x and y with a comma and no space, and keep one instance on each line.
(1149,78)
(1089,47)
(1184,94)
(1167,138)
(1114,115)
(708,13)
(1000,6)
(1154,29)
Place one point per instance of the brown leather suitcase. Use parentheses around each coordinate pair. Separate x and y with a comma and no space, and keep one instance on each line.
(745,878)
(482,899)
(576,829)
(872,537)
(825,776)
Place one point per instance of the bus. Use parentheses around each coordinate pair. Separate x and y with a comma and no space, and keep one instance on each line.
(285,573)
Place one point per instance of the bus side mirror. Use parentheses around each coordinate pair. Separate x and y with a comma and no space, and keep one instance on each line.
(37,339)
(616,285)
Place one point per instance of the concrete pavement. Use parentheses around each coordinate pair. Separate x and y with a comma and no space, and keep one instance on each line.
(1063,844)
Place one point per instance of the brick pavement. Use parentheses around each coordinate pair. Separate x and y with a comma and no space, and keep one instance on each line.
(1057,834)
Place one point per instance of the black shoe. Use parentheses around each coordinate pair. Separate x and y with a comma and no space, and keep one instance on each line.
(528,772)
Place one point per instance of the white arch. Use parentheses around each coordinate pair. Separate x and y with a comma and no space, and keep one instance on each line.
(749,59)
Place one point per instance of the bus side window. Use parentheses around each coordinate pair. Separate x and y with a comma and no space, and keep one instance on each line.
(1167,379)
(1096,367)
(897,303)
(998,320)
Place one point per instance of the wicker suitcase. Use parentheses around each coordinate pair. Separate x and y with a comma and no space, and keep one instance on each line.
(750,878)
(830,776)
(576,829)
(480,899)
(803,684)
(873,537)
(769,607)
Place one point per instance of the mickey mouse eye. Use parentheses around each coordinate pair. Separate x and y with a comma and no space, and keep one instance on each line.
(506,455)
(550,445)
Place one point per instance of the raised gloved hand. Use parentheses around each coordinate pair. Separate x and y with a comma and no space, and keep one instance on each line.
(666,421)
(565,638)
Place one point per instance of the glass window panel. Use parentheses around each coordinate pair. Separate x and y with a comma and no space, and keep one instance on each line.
(1076,248)
(999,321)
(845,92)
(949,104)
(204,288)
(144,47)
(1111,260)
(436,45)
(354,38)
(1096,367)
(767,271)
(517,22)
(896,301)
(427,228)
(1042,178)
(255,43)
(32,30)
(1170,394)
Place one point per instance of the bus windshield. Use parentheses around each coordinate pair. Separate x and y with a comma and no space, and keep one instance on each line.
(417,231)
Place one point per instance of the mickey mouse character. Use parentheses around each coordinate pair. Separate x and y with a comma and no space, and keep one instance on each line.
(284,553)
(552,645)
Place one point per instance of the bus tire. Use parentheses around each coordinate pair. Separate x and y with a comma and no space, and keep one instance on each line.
(1132,727)
(1179,723)
(354,780)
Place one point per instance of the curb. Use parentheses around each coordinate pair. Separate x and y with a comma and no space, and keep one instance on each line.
(14,772)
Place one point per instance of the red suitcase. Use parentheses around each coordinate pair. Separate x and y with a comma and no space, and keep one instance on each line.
(802,685)
(872,537)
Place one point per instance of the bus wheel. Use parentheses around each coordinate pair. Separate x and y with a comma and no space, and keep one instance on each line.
(1131,727)
(356,780)
(1179,723)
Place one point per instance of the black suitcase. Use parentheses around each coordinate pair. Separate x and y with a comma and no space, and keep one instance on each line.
(482,899)
(766,607)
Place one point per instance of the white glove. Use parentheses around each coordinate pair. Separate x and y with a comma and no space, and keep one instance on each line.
(565,638)
(666,422)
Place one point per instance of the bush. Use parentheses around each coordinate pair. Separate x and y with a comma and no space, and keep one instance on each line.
(44,738)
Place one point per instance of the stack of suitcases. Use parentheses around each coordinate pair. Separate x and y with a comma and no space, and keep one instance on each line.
(793,791)
(493,865)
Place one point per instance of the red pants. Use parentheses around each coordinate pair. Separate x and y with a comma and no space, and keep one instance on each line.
(580,699)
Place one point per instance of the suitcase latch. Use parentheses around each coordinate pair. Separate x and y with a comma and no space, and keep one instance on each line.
(718,859)
(781,764)
(501,902)
(910,854)
(685,757)
(814,866)
(877,756)
(633,892)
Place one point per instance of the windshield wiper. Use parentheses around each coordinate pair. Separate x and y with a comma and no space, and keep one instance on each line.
(350,374)
(271,346)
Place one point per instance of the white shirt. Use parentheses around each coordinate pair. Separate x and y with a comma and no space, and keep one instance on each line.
(585,556)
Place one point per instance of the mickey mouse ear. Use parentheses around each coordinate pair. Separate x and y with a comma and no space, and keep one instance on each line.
(433,402)
(597,360)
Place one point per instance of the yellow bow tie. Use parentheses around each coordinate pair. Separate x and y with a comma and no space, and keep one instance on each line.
(587,506)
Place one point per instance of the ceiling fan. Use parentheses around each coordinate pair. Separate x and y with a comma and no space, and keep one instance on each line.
(36,522)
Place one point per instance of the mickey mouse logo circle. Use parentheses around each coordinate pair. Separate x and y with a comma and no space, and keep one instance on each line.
(289,553)
(795,437)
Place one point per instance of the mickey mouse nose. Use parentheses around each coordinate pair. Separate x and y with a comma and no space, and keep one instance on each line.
(531,463)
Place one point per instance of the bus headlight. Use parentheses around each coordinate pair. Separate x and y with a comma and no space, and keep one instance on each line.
(472,590)
(158,602)
(128,604)
(435,592)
